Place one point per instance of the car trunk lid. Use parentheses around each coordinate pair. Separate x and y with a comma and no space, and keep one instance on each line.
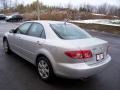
(97,46)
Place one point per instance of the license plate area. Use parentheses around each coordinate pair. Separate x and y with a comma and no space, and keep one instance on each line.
(99,57)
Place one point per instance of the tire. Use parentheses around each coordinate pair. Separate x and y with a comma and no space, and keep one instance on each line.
(6,46)
(45,69)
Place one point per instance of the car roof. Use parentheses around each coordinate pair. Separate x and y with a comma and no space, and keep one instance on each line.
(48,21)
(49,32)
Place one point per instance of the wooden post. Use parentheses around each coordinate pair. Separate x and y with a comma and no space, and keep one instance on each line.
(38,10)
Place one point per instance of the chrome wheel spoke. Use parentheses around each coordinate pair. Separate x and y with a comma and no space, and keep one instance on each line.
(43,69)
(47,70)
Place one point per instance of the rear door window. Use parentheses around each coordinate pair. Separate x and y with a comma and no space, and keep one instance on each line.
(36,30)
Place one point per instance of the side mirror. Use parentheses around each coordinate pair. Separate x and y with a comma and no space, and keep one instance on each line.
(12,31)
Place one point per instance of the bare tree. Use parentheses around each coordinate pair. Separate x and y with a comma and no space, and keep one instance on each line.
(69,6)
(10,3)
(102,9)
(4,3)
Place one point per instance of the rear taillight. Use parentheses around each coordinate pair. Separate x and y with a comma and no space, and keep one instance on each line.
(87,53)
(82,54)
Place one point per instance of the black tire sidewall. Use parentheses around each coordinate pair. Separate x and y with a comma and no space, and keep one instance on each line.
(8,51)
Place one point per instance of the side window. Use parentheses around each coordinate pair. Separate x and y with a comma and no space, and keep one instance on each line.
(43,35)
(36,30)
(23,28)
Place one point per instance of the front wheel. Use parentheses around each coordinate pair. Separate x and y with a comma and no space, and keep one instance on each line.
(6,46)
(45,69)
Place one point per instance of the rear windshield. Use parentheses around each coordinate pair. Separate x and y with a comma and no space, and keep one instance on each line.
(69,31)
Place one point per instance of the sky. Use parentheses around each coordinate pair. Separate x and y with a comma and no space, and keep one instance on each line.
(74,2)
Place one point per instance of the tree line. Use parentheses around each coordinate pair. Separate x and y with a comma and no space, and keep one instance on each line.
(8,6)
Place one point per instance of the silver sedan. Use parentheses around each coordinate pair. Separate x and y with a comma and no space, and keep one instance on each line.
(58,48)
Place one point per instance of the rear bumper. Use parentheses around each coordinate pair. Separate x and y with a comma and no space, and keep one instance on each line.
(81,70)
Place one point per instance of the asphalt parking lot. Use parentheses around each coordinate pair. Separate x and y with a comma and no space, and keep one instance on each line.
(18,74)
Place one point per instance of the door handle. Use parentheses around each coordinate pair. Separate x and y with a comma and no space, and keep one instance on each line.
(19,37)
(38,42)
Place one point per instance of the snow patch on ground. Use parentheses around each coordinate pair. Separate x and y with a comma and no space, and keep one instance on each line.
(98,14)
(99,21)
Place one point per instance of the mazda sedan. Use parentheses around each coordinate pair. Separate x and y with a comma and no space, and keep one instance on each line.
(58,48)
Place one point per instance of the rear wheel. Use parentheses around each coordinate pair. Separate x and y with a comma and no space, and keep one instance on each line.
(6,46)
(45,69)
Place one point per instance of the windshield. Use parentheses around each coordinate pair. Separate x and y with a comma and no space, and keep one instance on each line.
(69,31)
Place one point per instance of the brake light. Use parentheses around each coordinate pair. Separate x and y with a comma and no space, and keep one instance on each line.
(87,53)
(82,54)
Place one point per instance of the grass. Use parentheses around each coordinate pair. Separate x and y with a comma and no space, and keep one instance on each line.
(101,28)
(115,22)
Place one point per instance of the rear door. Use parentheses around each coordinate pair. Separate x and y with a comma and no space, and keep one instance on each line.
(33,41)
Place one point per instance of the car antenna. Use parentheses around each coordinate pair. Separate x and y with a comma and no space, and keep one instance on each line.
(66,21)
